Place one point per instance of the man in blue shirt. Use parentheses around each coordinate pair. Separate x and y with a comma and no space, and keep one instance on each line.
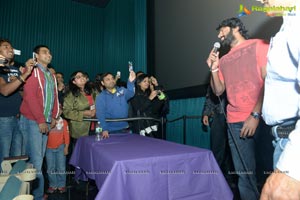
(112,103)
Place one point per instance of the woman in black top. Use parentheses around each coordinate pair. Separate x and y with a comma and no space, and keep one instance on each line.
(146,103)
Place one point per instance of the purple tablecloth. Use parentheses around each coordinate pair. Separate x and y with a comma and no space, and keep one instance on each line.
(133,167)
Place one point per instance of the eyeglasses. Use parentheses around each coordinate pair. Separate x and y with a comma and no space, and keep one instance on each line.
(79,76)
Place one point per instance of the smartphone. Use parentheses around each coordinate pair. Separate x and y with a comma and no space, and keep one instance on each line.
(130,67)
(17,52)
(119,74)
(33,57)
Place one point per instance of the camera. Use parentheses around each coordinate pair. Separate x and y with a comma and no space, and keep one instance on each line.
(3,61)
(161,95)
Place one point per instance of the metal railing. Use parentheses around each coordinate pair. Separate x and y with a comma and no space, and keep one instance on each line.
(161,120)
(184,118)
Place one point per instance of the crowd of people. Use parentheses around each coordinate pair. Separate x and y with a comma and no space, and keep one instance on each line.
(42,117)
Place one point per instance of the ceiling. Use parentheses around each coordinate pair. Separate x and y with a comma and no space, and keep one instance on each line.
(96,3)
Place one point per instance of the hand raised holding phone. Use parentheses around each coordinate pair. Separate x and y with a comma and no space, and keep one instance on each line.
(132,74)
(29,65)
(118,75)
(3,60)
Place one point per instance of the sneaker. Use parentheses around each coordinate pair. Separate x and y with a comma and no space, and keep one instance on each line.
(51,190)
(61,189)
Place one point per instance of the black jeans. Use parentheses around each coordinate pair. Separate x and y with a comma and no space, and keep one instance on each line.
(219,145)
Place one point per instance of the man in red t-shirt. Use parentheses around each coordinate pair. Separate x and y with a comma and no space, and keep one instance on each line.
(241,72)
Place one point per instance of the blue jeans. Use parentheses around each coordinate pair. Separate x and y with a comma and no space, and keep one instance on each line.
(10,138)
(56,166)
(243,152)
(279,144)
(35,143)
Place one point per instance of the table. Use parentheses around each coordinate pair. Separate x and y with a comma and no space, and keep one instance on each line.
(133,167)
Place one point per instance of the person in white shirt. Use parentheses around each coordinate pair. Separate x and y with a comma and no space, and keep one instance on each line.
(281,106)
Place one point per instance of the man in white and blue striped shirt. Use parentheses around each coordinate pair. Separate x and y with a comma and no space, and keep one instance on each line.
(281,106)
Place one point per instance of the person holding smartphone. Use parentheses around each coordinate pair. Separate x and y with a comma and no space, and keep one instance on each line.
(39,112)
(11,79)
(112,102)
(147,103)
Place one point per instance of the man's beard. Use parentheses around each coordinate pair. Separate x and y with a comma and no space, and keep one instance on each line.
(228,39)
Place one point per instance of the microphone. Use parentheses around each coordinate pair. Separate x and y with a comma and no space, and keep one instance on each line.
(217,46)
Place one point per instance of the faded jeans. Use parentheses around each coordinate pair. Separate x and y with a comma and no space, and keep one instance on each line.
(56,166)
(35,143)
(10,138)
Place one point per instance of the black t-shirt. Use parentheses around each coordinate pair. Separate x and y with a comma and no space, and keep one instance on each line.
(10,105)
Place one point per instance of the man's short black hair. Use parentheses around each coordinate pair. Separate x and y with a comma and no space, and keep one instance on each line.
(233,23)
(2,40)
(38,47)
(105,75)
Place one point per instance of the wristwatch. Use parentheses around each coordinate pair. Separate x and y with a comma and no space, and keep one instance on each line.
(255,115)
